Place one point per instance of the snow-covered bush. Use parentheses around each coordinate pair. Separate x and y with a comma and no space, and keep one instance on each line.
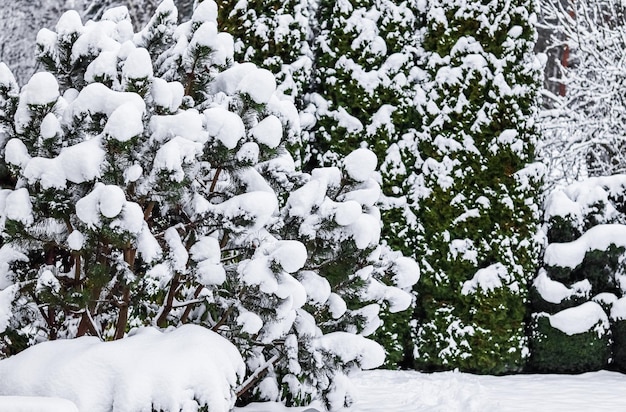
(475,187)
(150,186)
(582,278)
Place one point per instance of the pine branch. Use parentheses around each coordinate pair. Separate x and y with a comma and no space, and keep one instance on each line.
(257,375)
(165,311)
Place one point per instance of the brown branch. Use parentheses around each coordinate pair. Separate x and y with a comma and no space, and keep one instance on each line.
(222,321)
(215,178)
(122,320)
(77,266)
(224,240)
(188,309)
(191,77)
(169,302)
(148,212)
(86,325)
(257,375)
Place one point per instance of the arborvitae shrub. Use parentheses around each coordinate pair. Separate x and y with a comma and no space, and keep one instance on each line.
(475,187)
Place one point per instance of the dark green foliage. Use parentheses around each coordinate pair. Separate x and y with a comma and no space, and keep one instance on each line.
(619,345)
(554,351)
(562,229)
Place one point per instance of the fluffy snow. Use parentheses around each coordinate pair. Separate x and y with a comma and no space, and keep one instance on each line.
(555,292)
(317,287)
(366,230)
(360,164)
(290,255)
(259,84)
(618,310)
(349,347)
(268,131)
(186,124)
(225,126)
(346,213)
(41,89)
(50,126)
(97,98)
(6,299)
(138,64)
(104,66)
(124,123)
(250,322)
(487,279)
(18,206)
(207,253)
(257,207)
(167,94)
(571,254)
(580,319)
(76,240)
(149,369)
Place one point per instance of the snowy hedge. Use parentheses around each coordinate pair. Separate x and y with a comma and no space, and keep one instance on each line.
(148,184)
(580,288)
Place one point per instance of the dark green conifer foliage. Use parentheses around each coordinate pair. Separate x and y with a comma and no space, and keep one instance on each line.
(556,352)
(475,189)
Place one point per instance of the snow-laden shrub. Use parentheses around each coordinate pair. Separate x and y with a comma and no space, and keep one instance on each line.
(583,263)
(149,185)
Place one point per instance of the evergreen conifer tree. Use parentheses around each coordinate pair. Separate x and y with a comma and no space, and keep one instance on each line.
(475,190)
(152,186)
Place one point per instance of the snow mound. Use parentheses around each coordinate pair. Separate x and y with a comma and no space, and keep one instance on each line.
(580,319)
(180,370)
(555,292)
(489,279)
(360,164)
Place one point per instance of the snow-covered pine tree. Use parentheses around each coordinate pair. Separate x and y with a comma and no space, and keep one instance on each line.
(153,187)
(475,189)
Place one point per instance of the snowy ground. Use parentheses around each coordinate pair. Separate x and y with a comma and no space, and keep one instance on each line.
(390,391)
